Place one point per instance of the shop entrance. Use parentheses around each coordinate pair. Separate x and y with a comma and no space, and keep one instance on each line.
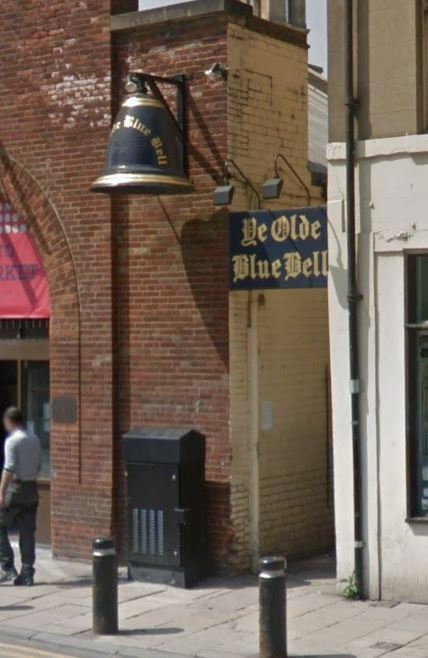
(24,382)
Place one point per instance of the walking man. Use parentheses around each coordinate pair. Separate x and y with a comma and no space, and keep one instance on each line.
(19,497)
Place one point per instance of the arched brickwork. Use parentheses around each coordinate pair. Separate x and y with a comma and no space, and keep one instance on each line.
(21,190)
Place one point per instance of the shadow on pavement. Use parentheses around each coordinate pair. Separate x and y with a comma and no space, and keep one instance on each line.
(300,573)
(317,655)
(78,582)
(151,631)
(320,567)
(4,608)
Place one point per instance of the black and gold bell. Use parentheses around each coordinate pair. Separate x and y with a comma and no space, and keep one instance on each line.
(145,151)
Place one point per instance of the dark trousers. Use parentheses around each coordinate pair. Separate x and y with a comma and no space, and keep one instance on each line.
(20,512)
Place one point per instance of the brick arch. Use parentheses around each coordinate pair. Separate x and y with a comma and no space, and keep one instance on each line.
(25,195)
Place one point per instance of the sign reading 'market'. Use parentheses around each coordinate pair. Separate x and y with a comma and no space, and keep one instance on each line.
(278,249)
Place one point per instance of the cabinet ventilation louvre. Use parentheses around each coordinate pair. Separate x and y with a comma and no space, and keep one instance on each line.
(147,532)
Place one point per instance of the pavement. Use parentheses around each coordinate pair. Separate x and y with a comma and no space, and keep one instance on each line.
(218,619)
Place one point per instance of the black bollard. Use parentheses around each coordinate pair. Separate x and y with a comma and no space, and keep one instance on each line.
(272,600)
(104,587)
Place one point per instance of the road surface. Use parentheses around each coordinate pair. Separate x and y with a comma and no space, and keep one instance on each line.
(8,650)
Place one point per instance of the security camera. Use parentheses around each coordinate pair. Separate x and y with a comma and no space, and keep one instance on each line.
(216,71)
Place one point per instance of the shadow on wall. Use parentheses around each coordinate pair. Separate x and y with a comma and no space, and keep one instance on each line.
(213,165)
(338,271)
(204,246)
(204,249)
(419,529)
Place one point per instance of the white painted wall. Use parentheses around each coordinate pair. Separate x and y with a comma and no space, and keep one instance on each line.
(393,218)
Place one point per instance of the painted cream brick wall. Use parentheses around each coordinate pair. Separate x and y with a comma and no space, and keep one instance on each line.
(267,107)
(278,339)
(240,424)
(295,511)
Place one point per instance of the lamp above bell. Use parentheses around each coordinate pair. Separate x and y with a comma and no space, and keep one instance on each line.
(146,148)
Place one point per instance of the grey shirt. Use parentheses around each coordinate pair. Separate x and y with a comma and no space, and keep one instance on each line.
(23,455)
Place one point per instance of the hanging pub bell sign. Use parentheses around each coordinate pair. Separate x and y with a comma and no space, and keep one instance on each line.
(146,149)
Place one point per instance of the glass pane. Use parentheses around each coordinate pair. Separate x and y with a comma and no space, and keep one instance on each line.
(36,405)
(418,288)
(8,395)
(19,329)
(422,423)
(417,344)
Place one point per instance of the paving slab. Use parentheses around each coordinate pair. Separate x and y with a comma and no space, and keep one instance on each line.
(217,619)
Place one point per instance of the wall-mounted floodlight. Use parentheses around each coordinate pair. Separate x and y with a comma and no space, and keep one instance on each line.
(217,72)
(223,194)
(272,187)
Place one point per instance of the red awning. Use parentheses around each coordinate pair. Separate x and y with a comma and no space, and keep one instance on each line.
(24,291)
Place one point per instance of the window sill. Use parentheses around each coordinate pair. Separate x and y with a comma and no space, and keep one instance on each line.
(417,520)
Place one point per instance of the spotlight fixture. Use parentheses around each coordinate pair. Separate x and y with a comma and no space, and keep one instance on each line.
(223,194)
(272,187)
(217,71)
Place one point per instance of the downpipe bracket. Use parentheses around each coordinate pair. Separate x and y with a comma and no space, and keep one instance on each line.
(357,297)
(352,102)
(354,386)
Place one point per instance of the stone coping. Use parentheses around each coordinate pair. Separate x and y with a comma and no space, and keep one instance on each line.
(232,10)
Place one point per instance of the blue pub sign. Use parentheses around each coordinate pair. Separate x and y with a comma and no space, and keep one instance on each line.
(278,249)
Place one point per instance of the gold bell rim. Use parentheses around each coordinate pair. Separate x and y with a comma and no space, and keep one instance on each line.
(116,180)
(142,101)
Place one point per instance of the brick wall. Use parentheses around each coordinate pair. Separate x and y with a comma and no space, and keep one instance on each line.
(267,107)
(296,514)
(55,117)
(139,286)
(278,340)
(171,281)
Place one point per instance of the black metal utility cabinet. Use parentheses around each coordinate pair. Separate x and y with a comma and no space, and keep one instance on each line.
(166,505)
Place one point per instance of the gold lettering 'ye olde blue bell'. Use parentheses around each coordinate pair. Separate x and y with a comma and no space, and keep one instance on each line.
(145,151)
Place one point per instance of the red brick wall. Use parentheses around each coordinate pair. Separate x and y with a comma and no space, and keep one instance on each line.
(141,301)
(54,118)
(123,6)
(171,281)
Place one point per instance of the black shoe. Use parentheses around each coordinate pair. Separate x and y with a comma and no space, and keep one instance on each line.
(6,576)
(24,579)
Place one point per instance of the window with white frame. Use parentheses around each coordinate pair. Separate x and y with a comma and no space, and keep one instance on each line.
(424,60)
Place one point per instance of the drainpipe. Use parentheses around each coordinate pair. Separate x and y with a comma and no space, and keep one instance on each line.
(353,294)
(253,378)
